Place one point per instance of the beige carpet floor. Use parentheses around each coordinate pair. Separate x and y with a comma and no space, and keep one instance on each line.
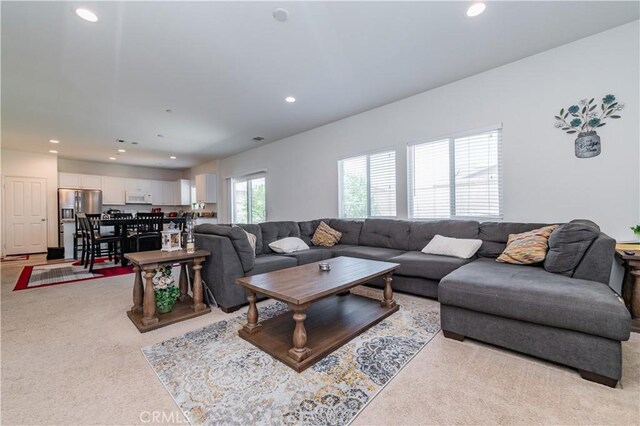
(70,355)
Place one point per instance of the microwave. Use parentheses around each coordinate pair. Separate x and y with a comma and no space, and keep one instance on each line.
(137,198)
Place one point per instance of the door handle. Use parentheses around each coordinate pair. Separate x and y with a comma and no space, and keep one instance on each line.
(43,220)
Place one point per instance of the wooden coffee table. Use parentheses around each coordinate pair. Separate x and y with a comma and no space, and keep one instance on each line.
(333,315)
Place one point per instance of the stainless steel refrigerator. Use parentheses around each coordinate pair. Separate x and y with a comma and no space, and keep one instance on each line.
(74,201)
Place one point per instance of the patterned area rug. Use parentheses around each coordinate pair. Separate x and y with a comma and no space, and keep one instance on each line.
(68,272)
(215,377)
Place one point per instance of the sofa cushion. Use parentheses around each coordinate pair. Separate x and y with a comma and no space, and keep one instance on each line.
(422,232)
(238,238)
(527,248)
(314,254)
(363,252)
(532,294)
(308,227)
(350,230)
(271,262)
(273,231)
(430,266)
(568,244)
(494,235)
(254,229)
(385,233)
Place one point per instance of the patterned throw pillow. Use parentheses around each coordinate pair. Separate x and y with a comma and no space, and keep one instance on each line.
(527,248)
(325,236)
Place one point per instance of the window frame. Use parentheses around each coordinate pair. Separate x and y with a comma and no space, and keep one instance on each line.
(452,187)
(247,178)
(367,155)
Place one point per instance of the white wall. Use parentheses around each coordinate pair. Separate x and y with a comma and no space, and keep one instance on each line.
(29,164)
(543,180)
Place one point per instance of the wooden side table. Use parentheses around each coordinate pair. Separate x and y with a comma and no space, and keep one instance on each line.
(631,283)
(143,312)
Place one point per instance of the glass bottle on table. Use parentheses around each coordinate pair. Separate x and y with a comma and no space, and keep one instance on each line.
(190,240)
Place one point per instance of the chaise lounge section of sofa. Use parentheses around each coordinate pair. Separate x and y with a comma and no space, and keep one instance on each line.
(575,319)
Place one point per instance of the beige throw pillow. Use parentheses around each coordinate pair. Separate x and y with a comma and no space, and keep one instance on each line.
(456,247)
(528,247)
(325,236)
(252,238)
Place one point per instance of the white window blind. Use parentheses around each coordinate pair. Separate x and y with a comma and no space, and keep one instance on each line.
(367,185)
(456,177)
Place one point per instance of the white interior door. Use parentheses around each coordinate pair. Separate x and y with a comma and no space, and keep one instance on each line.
(25,202)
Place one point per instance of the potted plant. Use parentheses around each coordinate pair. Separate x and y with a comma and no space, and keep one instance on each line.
(585,118)
(165,289)
(636,230)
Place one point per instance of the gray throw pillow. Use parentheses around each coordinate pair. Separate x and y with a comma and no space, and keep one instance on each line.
(568,244)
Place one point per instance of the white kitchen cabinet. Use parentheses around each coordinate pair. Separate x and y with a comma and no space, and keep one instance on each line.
(68,180)
(79,181)
(169,193)
(140,186)
(113,190)
(207,188)
(184,192)
(157,196)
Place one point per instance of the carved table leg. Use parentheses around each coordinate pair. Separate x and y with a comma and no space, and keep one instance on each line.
(183,283)
(197,287)
(388,301)
(300,351)
(252,325)
(137,290)
(149,305)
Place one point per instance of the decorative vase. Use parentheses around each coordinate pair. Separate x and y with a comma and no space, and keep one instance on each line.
(587,144)
(165,308)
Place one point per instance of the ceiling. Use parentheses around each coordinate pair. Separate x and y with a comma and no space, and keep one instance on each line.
(224,68)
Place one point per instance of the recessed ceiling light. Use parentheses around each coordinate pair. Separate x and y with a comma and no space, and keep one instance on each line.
(476,9)
(173,157)
(87,15)
(53,141)
(290,99)
(53,151)
(280,14)
(122,150)
(112,158)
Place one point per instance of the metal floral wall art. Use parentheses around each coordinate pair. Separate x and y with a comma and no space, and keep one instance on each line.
(584,119)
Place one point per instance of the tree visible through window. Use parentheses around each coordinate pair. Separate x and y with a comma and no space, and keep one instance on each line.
(368,185)
(249,199)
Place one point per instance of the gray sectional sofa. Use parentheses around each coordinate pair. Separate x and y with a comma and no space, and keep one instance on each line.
(573,318)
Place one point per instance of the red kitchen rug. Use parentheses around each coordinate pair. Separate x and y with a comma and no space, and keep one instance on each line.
(69,272)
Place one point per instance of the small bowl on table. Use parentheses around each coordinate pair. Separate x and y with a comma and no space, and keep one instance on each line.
(324,266)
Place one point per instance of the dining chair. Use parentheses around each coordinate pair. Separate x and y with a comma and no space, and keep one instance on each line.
(148,228)
(93,242)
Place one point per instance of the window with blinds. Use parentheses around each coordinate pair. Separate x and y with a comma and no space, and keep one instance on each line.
(367,186)
(457,177)
(248,199)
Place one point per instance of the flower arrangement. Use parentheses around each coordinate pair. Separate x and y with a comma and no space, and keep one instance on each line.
(585,116)
(165,289)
